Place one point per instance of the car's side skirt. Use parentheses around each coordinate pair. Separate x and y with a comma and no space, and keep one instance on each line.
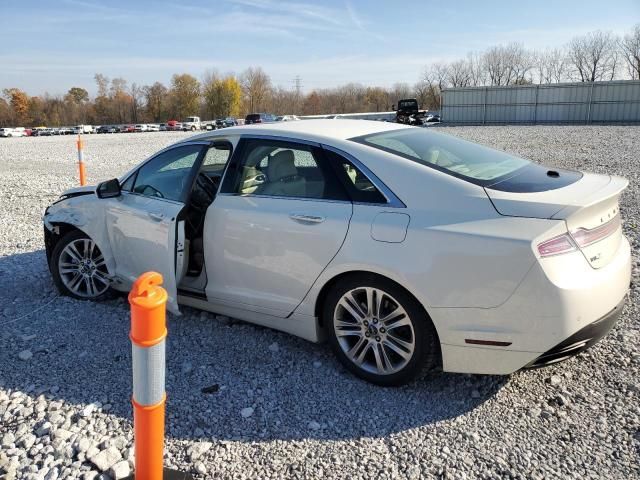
(303,326)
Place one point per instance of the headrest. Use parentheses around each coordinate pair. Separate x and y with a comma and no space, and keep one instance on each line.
(281,165)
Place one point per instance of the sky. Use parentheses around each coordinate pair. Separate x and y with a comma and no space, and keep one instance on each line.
(51,46)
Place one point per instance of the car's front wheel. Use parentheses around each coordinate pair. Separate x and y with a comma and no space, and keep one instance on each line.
(78,267)
(379,331)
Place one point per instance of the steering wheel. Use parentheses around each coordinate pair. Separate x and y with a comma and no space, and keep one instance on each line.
(154,192)
(204,192)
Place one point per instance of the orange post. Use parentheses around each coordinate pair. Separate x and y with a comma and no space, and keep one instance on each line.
(81,170)
(148,333)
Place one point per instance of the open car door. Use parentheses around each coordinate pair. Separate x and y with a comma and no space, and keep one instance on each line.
(143,223)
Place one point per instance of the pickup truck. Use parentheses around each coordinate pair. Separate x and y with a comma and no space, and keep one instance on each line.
(191,123)
(409,112)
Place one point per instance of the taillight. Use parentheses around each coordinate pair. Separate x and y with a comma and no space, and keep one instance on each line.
(556,246)
(585,236)
(581,237)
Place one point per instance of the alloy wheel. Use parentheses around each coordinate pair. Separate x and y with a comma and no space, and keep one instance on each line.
(82,268)
(374,330)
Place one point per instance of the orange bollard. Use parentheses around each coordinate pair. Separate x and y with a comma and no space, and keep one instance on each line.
(81,170)
(148,332)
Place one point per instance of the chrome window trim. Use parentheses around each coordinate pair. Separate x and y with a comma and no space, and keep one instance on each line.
(284,197)
(392,198)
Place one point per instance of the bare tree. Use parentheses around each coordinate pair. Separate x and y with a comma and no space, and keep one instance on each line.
(477,71)
(552,66)
(593,56)
(256,86)
(630,49)
(459,74)
(508,64)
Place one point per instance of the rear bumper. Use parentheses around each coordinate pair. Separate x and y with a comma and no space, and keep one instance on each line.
(579,341)
(561,308)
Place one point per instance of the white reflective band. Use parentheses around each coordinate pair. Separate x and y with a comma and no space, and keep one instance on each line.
(148,373)
(80,155)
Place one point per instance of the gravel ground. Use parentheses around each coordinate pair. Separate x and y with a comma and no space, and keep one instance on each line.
(280,407)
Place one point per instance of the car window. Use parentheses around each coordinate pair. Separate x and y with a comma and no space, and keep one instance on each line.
(360,188)
(284,169)
(167,174)
(470,161)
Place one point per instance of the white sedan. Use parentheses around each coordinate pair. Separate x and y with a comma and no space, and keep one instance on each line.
(405,248)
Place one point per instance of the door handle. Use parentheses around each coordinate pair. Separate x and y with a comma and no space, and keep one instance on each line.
(158,217)
(301,218)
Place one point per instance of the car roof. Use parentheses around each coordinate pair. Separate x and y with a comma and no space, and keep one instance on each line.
(318,130)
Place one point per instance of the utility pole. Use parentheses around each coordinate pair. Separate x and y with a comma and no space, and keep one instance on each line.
(298,85)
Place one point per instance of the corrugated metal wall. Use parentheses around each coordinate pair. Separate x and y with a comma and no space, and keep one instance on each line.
(597,102)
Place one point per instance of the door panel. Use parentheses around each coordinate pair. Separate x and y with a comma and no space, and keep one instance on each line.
(142,232)
(264,253)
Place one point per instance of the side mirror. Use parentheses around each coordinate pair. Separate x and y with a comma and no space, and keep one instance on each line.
(109,189)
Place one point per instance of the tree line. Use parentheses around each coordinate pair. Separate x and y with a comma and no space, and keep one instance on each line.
(596,56)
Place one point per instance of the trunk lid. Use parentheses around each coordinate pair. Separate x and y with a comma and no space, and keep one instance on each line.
(588,206)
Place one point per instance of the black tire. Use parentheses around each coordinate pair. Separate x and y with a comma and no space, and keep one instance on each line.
(426,353)
(56,256)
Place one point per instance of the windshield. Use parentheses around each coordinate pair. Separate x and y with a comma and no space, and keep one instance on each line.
(473,162)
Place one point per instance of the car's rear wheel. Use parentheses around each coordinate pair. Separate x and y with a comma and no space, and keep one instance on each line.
(379,331)
(78,267)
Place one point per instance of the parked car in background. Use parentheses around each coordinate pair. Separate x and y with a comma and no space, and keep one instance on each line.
(259,118)
(287,118)
(46,132)
(82,129)
(230,122)
(66,131)
(6,132)
(153,127)
(173,125)
(191,123)
(162,127)
(107,129)
(409,113)
(431,118)
(140,127)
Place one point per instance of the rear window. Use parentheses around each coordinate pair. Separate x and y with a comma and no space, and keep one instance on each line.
(475,163)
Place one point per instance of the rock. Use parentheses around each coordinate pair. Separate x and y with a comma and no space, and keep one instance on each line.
(25,355)
(83,444)
(200,468)
(187,367)
(62,434)
(475,394)
(120,470)
(554,380)
(246,412)
(317,364)
(211,388)
(26,338)
(52,474)
(88,410)
(274,347)
(43,429)
(313,425)
(197,450)
(8,439)
(106,458)
(54,389)
(26,441)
